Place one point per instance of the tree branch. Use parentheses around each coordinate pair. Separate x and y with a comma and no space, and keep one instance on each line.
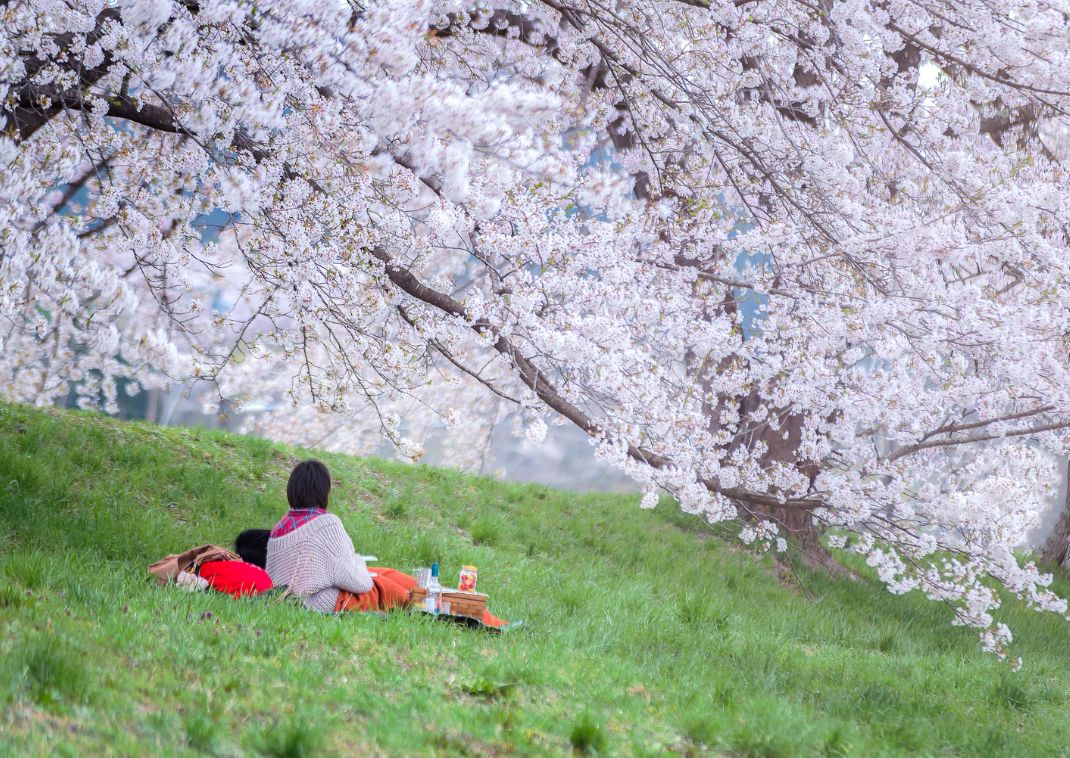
(548,393)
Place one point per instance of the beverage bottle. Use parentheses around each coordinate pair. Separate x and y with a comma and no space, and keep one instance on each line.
(433,599)
(469,576)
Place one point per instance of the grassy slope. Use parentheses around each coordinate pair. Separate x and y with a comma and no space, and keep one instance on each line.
(643,635)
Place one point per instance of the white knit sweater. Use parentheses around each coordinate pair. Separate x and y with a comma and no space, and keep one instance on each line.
(316,560)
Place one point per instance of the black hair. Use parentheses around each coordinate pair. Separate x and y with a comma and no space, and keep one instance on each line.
(251,546)
(309,485)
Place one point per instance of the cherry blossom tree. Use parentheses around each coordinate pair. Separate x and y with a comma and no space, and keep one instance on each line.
(817,285)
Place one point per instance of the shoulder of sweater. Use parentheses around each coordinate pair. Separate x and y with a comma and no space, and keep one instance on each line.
(329,522)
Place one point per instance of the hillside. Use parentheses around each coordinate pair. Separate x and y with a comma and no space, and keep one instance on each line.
(644,635)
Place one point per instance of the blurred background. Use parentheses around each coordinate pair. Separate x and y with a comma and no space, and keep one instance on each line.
(564,459)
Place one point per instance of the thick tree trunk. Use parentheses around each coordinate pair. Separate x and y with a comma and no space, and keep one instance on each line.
(1055,548)
(782,447)
(798,527)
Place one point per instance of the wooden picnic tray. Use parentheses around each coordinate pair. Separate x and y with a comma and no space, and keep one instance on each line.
(454,603)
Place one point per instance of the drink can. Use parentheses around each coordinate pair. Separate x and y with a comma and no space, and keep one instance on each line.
(469,576)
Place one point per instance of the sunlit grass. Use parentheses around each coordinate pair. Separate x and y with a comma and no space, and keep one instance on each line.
(642,633)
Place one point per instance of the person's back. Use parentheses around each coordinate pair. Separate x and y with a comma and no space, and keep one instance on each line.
(309,550)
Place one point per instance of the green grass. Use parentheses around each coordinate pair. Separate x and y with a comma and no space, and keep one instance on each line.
(644,634)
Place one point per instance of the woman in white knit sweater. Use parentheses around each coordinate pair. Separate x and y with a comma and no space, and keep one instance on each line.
(309,550)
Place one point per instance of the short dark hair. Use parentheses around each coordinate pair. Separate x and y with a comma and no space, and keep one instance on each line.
(251,546)
(309,485)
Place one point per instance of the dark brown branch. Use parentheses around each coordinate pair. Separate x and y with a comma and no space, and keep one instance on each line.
(29,114)
(541,385)
(911,449)
(456,363)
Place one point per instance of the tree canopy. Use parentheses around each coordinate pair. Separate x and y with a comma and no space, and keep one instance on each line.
(795,263)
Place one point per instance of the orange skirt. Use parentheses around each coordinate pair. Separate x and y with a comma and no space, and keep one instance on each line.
(391,589)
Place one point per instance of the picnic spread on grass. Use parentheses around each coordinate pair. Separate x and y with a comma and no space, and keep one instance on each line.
(210,567)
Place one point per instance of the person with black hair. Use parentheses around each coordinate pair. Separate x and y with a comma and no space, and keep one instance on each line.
(251,546)
(309,550)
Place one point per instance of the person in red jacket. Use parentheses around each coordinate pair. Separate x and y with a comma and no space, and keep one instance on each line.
(235,578)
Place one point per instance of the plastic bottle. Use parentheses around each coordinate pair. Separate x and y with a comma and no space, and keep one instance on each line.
(433,601)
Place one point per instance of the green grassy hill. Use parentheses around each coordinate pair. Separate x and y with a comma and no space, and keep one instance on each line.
(645,634)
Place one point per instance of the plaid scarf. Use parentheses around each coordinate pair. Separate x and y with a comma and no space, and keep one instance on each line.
(295,518)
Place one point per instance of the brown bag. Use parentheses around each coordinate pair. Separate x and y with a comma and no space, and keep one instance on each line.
(168,568)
